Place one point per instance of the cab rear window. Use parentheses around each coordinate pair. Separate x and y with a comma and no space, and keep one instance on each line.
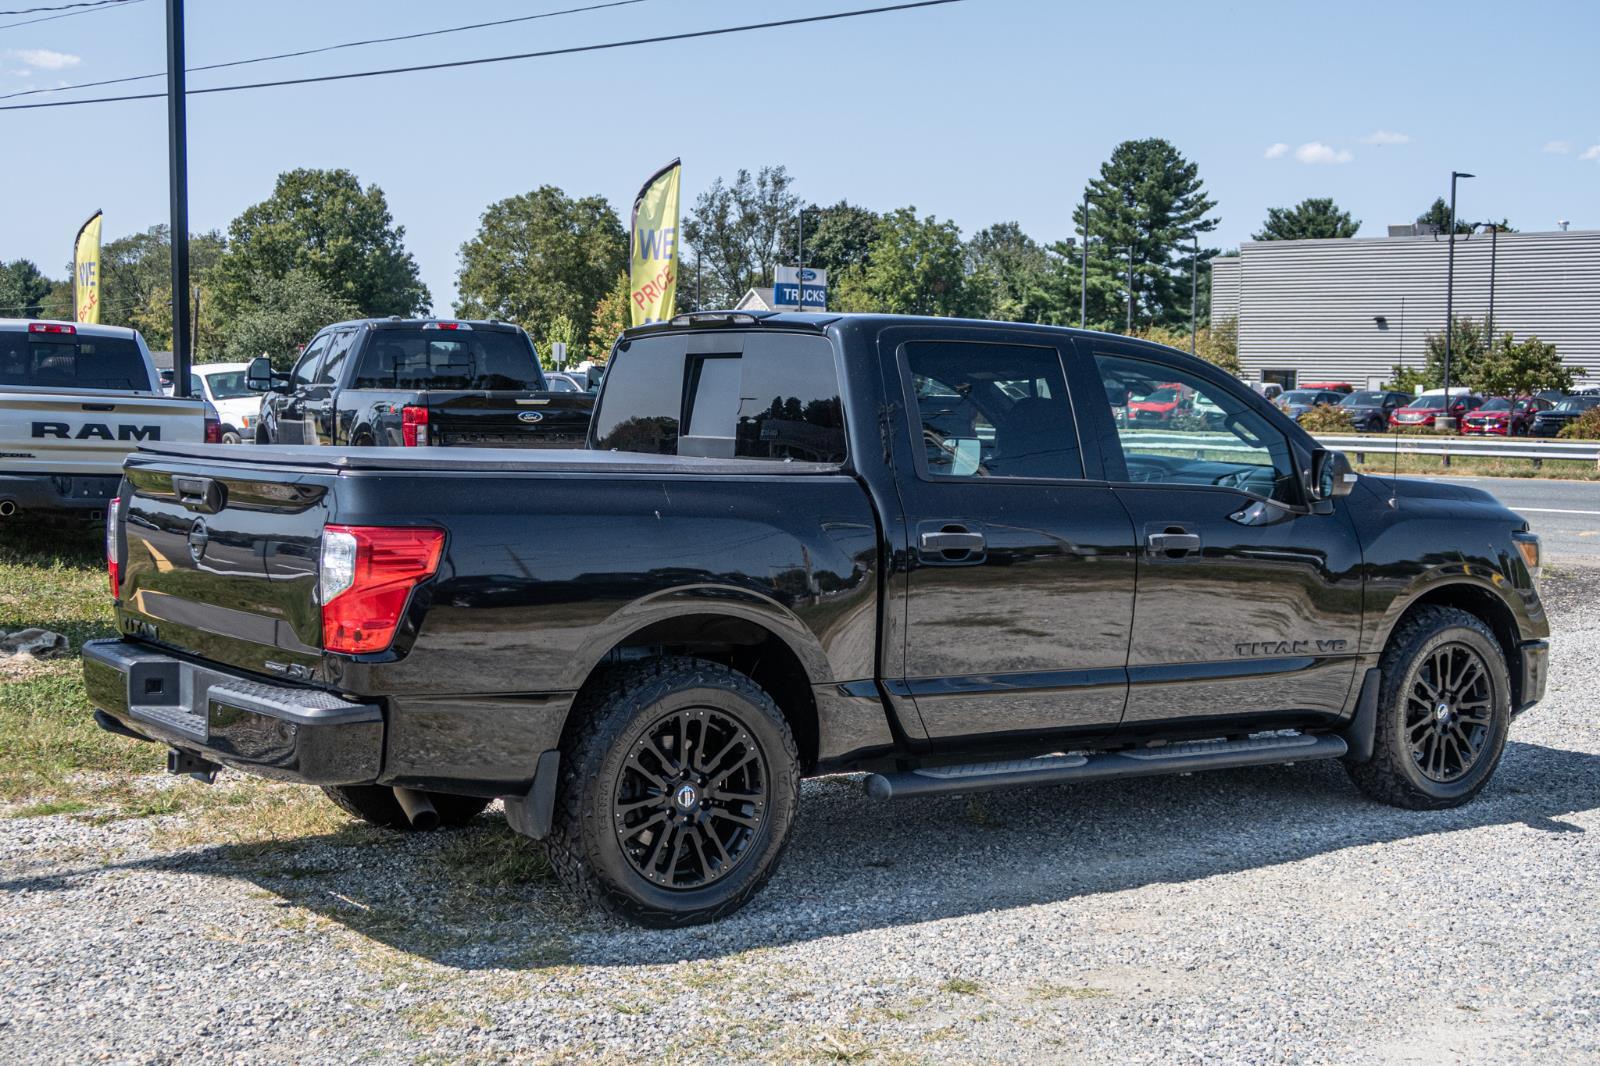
(419,359)
(72,362)
(727,396)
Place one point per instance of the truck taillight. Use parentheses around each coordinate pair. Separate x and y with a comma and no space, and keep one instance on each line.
(113,568)
(414,426)
(366,579)
(213,431)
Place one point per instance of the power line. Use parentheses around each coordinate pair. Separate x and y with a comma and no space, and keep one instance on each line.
(609,45)
(326,48)
(69,14)
(62,7)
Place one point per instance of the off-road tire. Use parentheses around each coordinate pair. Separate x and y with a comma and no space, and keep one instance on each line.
(1392,775)
(611,715)
(376,805)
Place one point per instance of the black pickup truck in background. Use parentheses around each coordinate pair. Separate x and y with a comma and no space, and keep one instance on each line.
(417,383)
(935,551)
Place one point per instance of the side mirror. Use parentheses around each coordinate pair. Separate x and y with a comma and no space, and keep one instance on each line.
(1332,475)
(259,378)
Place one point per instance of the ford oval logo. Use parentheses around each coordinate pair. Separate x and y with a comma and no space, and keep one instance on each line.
(530,416)
(806,274)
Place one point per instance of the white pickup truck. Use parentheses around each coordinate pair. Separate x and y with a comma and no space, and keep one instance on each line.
(75,399)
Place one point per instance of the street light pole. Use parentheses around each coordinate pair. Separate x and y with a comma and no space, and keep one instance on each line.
(1450,292)
(1083,287)
(1494,240)
(800,256)
(178,179)
(1130,289)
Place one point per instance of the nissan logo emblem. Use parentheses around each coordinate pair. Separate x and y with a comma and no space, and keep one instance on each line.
(199,538)
(530,416)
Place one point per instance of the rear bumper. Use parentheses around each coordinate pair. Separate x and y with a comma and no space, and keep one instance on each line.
(291,734)
(1535,671)
(86,493)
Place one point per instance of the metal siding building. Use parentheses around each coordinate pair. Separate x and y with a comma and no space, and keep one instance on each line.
(1350,310)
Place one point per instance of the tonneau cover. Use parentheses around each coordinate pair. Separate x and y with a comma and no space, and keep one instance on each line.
(461,460)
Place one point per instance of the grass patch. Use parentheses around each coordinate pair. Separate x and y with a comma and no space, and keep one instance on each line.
(1049,991)
(54,579)
(429,1018)
(46,808)
(961,986)
(1379,462)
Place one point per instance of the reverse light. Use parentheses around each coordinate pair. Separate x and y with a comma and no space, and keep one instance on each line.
(113,567)
(414,426)
(366,579)
(51,327)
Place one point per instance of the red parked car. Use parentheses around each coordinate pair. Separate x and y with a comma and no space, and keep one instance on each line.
(1425,410)
(1160,405)
(1508,418)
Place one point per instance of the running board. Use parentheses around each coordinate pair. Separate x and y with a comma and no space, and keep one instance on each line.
(1140,762)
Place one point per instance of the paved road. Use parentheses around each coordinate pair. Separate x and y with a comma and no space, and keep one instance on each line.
(1565,514)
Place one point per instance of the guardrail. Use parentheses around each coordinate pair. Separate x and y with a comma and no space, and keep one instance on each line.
(1361,445)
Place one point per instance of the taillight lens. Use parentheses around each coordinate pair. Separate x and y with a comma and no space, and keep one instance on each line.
(366,579)
(414,426)
(213,431)
(113,567)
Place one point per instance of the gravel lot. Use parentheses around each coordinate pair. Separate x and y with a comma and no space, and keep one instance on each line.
(1263,916)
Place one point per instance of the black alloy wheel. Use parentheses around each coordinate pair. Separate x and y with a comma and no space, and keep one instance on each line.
(1448,712)
(689,802)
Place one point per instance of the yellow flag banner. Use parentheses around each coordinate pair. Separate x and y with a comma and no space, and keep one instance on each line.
(653,269)
(86,271)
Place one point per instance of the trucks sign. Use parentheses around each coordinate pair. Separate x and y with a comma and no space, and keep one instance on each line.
(797,287)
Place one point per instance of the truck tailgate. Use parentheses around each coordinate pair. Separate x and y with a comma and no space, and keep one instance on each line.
(509,420)
(89,431)
(221,561)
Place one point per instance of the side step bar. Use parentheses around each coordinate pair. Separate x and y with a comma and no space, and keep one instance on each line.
(1141,762)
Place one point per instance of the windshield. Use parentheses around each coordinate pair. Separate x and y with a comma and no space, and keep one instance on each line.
(229,385)
(1496,404)
(1162,396)
(475,360)
(558,383)
(1427,403)
(1299,396)
(1363,399)
(1578,403)
(72,362)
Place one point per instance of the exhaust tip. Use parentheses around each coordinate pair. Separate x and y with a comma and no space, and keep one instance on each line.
(418,809)
(8,508)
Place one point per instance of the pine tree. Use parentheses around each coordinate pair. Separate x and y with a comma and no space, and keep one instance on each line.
(1312,219)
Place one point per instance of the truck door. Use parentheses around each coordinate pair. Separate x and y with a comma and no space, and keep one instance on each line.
(321,396)
(289,409)
(1020,567)
(1249,601)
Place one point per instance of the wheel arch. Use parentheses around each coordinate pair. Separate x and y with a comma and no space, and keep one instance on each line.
(745,632)
(1481,600)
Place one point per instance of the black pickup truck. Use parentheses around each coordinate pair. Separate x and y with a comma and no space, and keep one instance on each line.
(801,544)
(418,382)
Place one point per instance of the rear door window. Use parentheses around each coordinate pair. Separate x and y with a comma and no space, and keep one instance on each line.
(72,361)
(730,396)
(418,359)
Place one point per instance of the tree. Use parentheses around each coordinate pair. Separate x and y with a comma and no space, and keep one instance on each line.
(611,316)
(286,313)
(322,222)
(1318,217)
(562,330)
(1145,204)
(1520,369)
(1468,344)
(917,267)
(136,286)
(736,233)
(1009,274)
(541,255)
(838,238)
(1219,345)
(23,290)
(1438,216)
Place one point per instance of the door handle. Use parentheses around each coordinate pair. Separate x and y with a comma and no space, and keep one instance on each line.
(1173,545)
(952,542)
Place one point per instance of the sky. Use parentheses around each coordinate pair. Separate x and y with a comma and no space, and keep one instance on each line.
(981,111)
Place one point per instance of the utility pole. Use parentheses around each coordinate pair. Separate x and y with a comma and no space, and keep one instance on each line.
(1130,289)
(1449,295)
(178,179)
(1494,240)
(800,258)
(1083,288)
(1194,293)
